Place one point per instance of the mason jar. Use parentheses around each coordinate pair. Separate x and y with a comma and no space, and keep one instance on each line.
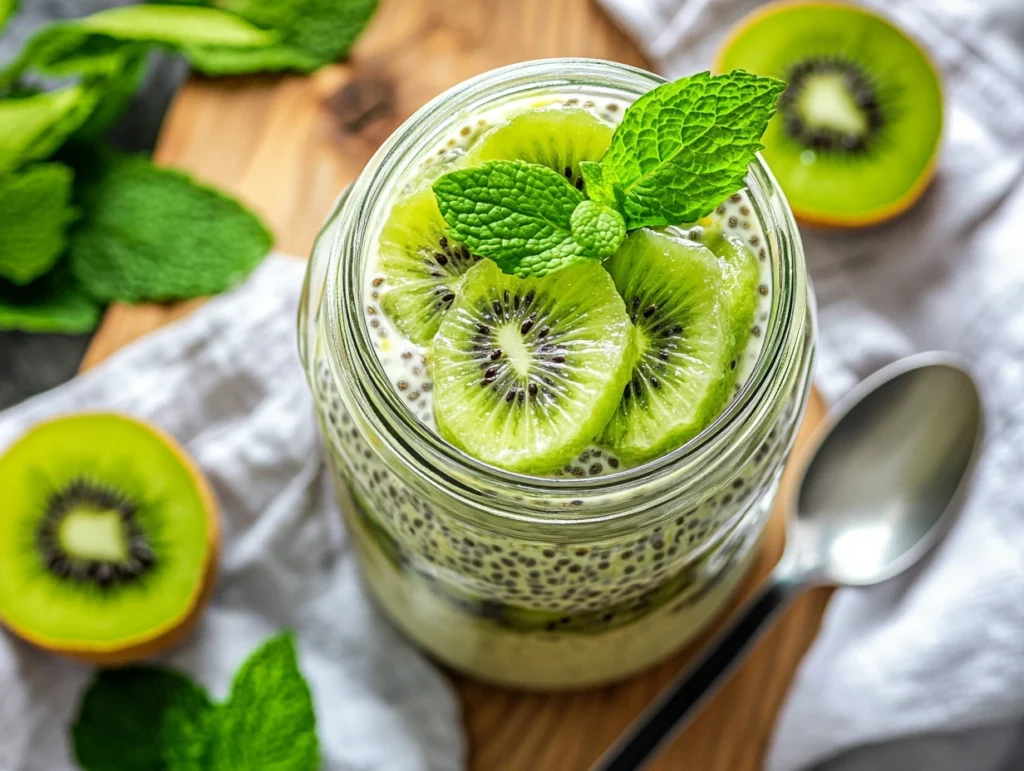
(533,581)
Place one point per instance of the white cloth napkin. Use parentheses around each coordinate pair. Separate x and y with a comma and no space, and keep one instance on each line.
(926,671)
(227,383)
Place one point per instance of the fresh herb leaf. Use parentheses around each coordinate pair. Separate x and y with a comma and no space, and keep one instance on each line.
(7,10)
(598,229)
(55,303)
(35,213)
(318,31)
(517,214)
(155,234)
(268,722)
(180,26)
(684,147)
(115,88)
(142,719)
(33,127)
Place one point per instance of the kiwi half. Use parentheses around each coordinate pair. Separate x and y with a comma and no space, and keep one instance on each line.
(680,381)
(857,130)
(559,138)
(527,371)
(109,539)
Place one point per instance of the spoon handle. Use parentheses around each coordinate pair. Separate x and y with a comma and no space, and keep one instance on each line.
(682,698)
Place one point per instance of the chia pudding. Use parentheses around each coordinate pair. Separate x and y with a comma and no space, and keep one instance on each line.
(580,573)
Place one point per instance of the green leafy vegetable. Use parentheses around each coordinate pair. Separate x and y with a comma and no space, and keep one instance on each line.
(35,212)
(155,234)
(33,127)
(319,31)
(517,214)
(153,719)
(684,147)
(142,719)
(115,89)
(598,229)
(177,25)
(268,722)
(55,303)
(7,9)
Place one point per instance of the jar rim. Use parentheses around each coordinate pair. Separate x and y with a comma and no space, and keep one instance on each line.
(436,462)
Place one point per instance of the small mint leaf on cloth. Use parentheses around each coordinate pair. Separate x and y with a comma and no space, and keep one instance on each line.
(684,147)
(268,722)
(153,234)
(35,213)
(598,229)
(517,214)
(142,719)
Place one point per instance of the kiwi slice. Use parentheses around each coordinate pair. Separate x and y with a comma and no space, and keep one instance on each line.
(527,371)
(857,131)
(740,280)
(108,538)
(422,266)
(673,294)
(558,138)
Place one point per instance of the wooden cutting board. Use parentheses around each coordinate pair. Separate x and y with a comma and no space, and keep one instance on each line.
(287,146)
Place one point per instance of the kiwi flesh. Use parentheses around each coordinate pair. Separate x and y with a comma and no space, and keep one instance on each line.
(422,266)
(857,130)
(559,138)
(680,381)
(527,371)
(109,538)
(740,280)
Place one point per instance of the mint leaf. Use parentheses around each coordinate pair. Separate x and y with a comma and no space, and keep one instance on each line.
(684,147)
(180,26)
(517,214)
(33,127)
(268,722)
(154,234)
(115,88)
(142,719)
(55,303)
(7,9)
(318,31)
(598,229)
(35,212)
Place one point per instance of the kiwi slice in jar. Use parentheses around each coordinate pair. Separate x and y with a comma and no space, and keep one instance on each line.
(109,538)
(527,371)
(856,133)
(421,266)
(559,138)
(673,291)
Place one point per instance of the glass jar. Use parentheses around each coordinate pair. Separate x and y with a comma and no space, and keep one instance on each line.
(543,582)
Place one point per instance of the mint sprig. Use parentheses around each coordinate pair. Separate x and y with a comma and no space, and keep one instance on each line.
(679,151)
(144,718)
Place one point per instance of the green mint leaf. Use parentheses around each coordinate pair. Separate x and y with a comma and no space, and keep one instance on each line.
(268,722)
(35,213)
(142,719)
(33,127)
(116,88)
(55,303)
(7,10)
(179,26)
(517,214)
(598,229)
(596,186)
(318,31)
(684,147)
(154,234)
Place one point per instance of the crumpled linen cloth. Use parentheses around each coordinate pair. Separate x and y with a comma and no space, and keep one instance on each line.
(926,671)
(227,383)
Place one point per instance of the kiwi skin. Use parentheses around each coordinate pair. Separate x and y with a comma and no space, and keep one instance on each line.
(154,641)
(923,180)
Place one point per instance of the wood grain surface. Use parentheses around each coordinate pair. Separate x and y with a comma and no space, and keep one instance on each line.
(287,146)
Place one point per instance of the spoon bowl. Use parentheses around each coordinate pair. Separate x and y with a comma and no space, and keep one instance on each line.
(882,486)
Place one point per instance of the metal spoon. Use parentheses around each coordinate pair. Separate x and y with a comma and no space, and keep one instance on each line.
(878,493)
